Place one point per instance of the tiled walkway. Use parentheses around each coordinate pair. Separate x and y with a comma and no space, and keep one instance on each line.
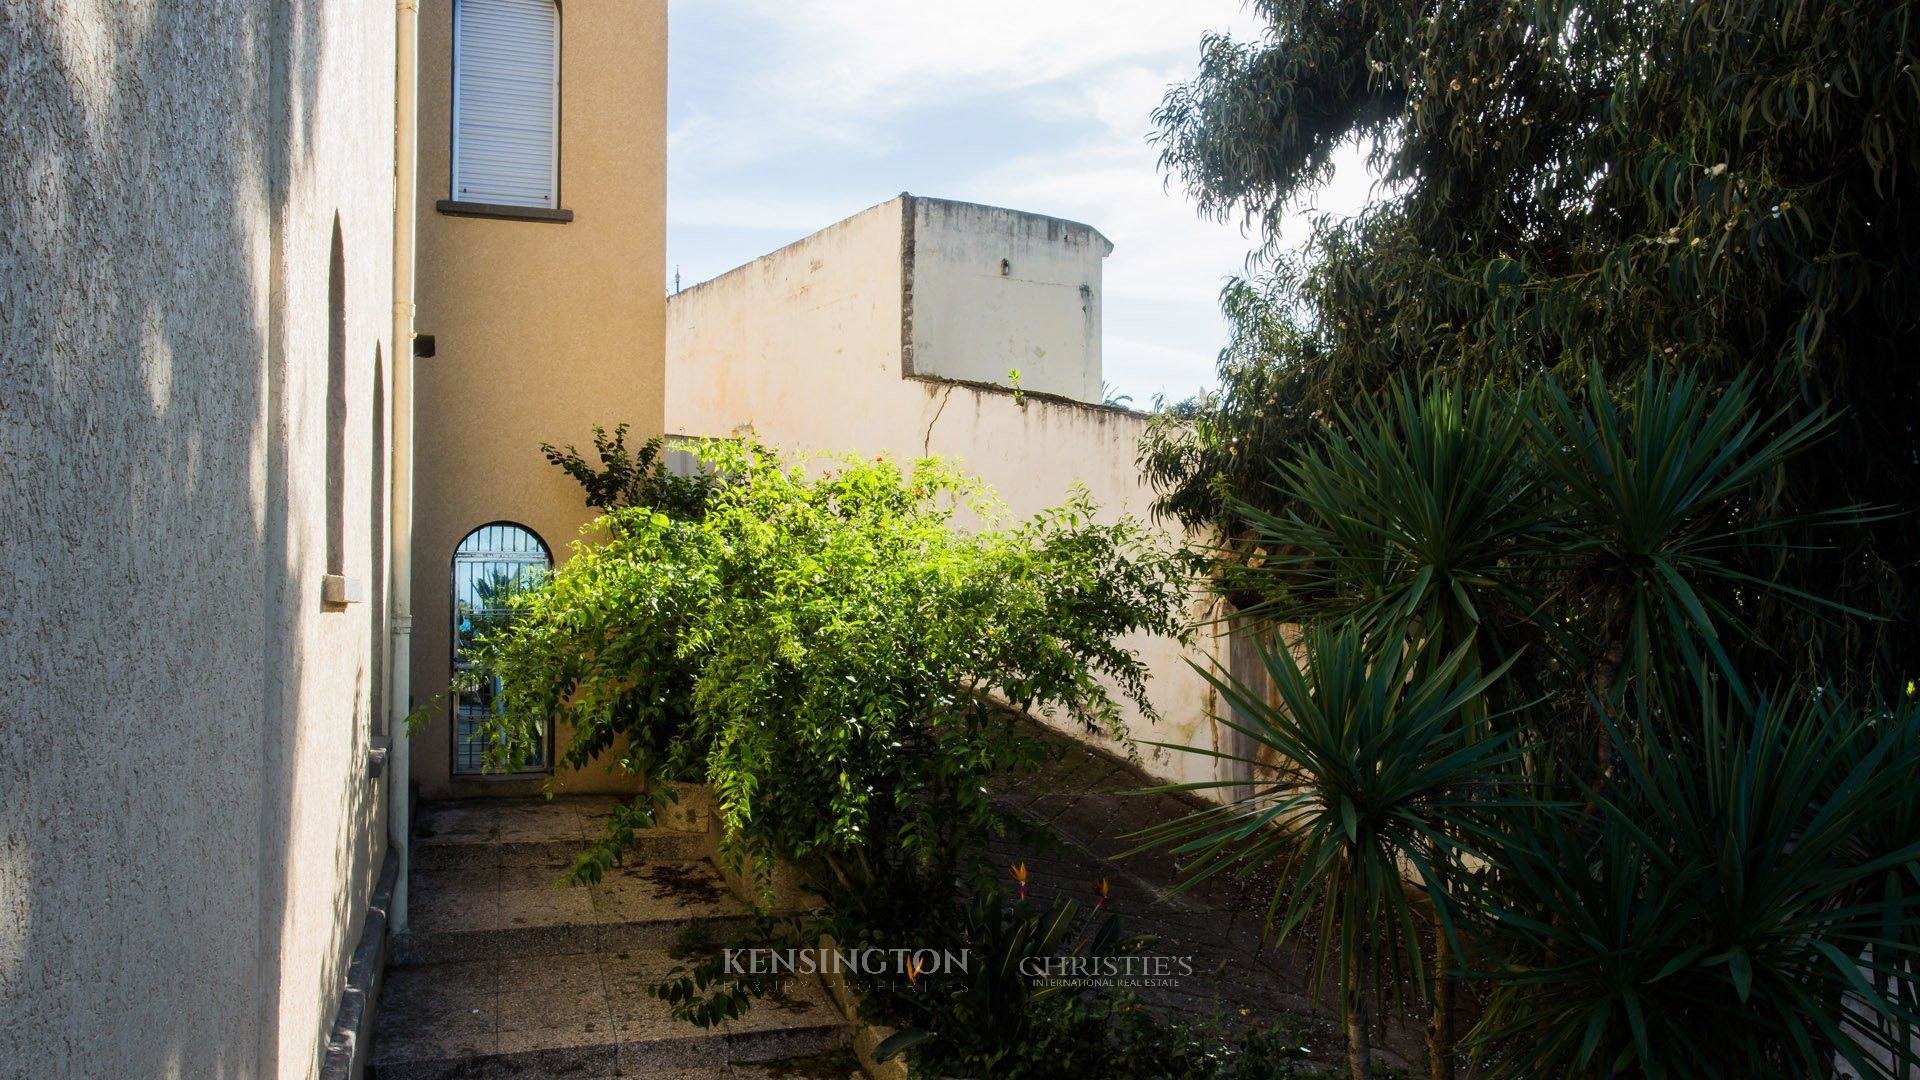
(502,973)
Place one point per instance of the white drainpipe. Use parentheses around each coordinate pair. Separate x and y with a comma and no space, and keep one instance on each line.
(400,530)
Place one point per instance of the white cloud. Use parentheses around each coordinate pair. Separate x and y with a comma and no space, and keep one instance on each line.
(841,61)
(789,116)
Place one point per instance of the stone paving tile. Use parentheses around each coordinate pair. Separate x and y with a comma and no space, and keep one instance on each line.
(661,891)
(651,1038)
(529,979)
(449,822)
(778,1071)
(546,906)
(536,870)
(436,910)
(553,972)
(463,879)
(575,1006)
(448,1001)
(799,1001)
(537,825)
(430,1054)
(552,1053)
(633,972)
(651,1058)
(637,938)
(797,1071)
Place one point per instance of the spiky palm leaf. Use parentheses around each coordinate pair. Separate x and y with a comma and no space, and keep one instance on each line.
(1378,778)
(1708,921)
(1418,514)
(1662,511)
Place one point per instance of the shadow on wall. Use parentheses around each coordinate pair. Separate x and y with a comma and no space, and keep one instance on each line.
(149,601)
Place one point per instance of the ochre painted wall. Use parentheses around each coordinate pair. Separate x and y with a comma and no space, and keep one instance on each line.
(188,830)
(804,346)
(541,330)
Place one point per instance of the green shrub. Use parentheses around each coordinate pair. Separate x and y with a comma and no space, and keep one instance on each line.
(833,654)
(626,478)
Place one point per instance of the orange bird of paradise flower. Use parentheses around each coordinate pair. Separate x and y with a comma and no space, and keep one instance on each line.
(1020,875)
(913,972)
(1100,890)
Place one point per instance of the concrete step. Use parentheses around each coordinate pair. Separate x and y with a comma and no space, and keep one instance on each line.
(580,1015)
(452,834)
(481,912)
(487,873)
(504,973)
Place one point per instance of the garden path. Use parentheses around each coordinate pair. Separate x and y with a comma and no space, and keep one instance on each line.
(503,974)
(1086,797)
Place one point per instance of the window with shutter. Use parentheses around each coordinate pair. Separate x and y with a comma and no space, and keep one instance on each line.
(506,102)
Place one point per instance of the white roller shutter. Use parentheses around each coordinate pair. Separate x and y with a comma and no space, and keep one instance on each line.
(506,102)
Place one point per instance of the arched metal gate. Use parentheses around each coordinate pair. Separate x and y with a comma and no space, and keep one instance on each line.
(493,562)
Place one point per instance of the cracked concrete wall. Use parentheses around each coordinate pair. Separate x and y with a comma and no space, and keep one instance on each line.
(997,290)
(804,347)
(187,830)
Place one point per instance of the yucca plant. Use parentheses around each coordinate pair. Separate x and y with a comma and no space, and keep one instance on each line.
(1591,534)
(1664,524)
(1420,513)
(1889,891)
(1592,539)
(1380,778)
(1713,920)
(1603,530)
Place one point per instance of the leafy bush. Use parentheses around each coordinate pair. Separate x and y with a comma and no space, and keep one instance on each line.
(628,478)
(847,667)
(833,655)
(997,1020)
(995,1016)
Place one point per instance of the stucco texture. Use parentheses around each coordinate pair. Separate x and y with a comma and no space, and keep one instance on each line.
(541,330)
(187,827)
(997,291)
(804,348)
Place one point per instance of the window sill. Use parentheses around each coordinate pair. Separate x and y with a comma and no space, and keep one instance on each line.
(499,210)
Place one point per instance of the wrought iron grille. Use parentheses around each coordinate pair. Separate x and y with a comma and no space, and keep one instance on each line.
(489,566)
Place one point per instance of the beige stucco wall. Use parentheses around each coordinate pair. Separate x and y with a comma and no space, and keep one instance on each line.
(804,347)
(541,330)
(188,834)
(997,290)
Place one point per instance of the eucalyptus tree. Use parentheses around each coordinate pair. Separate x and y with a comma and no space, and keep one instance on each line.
(1565,183)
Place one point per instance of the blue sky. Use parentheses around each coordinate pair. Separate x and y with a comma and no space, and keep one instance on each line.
(785,117)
